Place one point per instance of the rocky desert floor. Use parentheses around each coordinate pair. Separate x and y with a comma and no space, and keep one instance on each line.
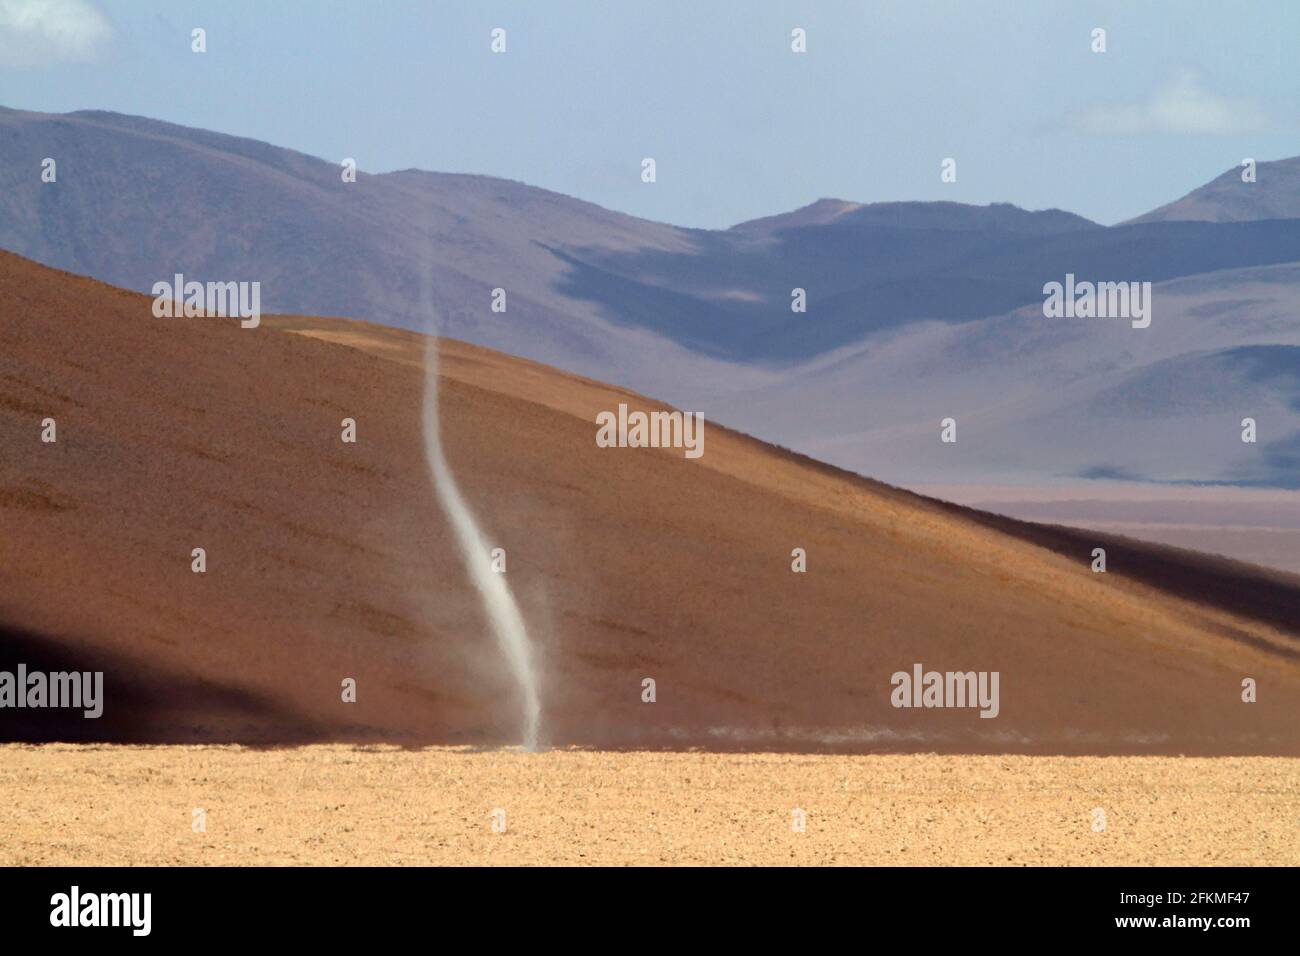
(342,805)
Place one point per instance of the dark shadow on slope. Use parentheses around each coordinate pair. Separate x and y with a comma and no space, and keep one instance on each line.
(1253,592)
(140,705)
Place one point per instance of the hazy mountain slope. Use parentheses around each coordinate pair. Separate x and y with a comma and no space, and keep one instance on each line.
(863,277)
(996,217)
(1275,194)
(328,561)
(1060,397)
(898,294)
(588,289)
(138,200)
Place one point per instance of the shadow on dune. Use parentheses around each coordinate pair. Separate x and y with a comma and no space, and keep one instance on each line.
(1269,597)
(139,706)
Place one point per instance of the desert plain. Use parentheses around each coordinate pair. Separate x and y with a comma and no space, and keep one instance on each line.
(340,805)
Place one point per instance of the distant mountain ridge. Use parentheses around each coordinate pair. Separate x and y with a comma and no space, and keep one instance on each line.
(1274,194)
(705,319)
(921,215)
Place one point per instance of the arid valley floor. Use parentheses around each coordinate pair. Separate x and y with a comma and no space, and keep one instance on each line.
(341,805)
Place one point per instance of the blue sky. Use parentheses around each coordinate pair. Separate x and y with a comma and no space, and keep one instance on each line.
(739,125)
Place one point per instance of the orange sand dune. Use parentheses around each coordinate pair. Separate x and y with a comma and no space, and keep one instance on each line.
(328,561)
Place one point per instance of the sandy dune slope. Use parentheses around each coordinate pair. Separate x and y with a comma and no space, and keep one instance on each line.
(328,560)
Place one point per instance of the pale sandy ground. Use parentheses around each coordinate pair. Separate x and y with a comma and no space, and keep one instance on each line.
(79,805)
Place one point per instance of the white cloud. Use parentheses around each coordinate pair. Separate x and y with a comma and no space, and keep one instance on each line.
(41,32)
(1182,105)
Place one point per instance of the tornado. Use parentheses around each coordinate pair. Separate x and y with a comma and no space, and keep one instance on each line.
(498,602)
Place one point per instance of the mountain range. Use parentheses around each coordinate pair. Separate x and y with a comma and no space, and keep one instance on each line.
(915,312)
